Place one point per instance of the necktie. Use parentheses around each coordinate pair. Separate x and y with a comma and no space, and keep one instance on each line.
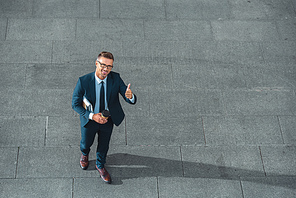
(102,97)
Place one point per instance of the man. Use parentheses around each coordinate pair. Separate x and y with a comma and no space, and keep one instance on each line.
(101,88)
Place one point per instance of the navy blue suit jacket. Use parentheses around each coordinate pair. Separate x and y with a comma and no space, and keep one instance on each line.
(86,87)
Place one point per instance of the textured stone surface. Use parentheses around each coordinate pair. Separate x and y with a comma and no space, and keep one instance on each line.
(41,29)
(8,162)
(215,81)
(279,160)
(181,130)
(288,129)
(269,187)
(198,187)
(66,9)
(242,130)
(13,129)
(3,29)
(139,187)
(25,51)
(36,187)
(222,162)
(245,30)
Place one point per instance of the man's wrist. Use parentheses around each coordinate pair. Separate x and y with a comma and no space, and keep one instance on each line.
(132,99)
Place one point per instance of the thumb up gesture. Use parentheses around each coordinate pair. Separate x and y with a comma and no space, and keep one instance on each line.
(128,92)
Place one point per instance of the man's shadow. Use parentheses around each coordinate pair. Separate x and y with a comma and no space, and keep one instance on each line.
(126,166)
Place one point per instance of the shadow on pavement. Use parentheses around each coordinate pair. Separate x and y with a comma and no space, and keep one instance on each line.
(126,166)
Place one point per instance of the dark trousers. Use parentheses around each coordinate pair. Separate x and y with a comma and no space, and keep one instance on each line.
(88,133)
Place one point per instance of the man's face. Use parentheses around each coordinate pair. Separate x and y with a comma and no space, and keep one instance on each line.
(103,67)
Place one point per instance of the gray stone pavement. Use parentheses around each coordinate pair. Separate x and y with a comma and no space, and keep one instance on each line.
(215,80)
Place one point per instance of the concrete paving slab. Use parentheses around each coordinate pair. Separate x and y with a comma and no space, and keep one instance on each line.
(170,51)
(229,80)
(11,101)
(194,10)
(257,9)
(198,187)
(53,162)
(8,162)
(36,187)
(127,162)
(187,9)
(41,29)
(194,102)
(111,29)
(12,76)
(269,187)
(282,52)
(83,51)
(132,10)
(141,108)
(63,131)
(287,29)
(177,30)
(95,187)
(245,30)
(13,129)
(222,162)
(3,28)
(25,51)
(260,101)
(242,130)
(66,9)
(208,76)
(271,76)
(174,130)
(52,76)
(236,52)
(146,76)
(279,10)
(279,160)
(16,8)
(250,10)
(47,102)
(217,9)
(288,125)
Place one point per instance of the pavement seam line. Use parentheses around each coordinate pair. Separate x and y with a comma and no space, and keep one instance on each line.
(17,159)
(183,173)
(241,185)
(52,44)
(203,129)
(157,185)
(262,160)
(46,129)
(6,32)
(73,180)
(278,118)
(99,14)
(165,9)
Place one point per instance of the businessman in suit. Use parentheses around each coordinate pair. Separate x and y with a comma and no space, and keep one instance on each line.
(101,88)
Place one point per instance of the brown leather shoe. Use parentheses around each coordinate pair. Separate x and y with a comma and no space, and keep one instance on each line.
(84,161)
(104,175)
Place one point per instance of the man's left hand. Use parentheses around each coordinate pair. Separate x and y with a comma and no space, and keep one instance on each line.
(128,92)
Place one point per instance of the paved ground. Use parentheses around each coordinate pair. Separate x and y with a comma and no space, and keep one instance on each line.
(215,80)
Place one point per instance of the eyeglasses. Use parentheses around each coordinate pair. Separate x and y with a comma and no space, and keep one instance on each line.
(104,65)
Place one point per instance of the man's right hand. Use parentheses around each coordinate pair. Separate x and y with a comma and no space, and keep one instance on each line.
(99,119)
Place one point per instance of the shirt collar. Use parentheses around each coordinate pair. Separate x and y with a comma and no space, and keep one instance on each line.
(99,80)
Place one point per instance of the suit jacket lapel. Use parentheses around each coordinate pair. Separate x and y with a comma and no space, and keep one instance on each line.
(109,87)
(92,88)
